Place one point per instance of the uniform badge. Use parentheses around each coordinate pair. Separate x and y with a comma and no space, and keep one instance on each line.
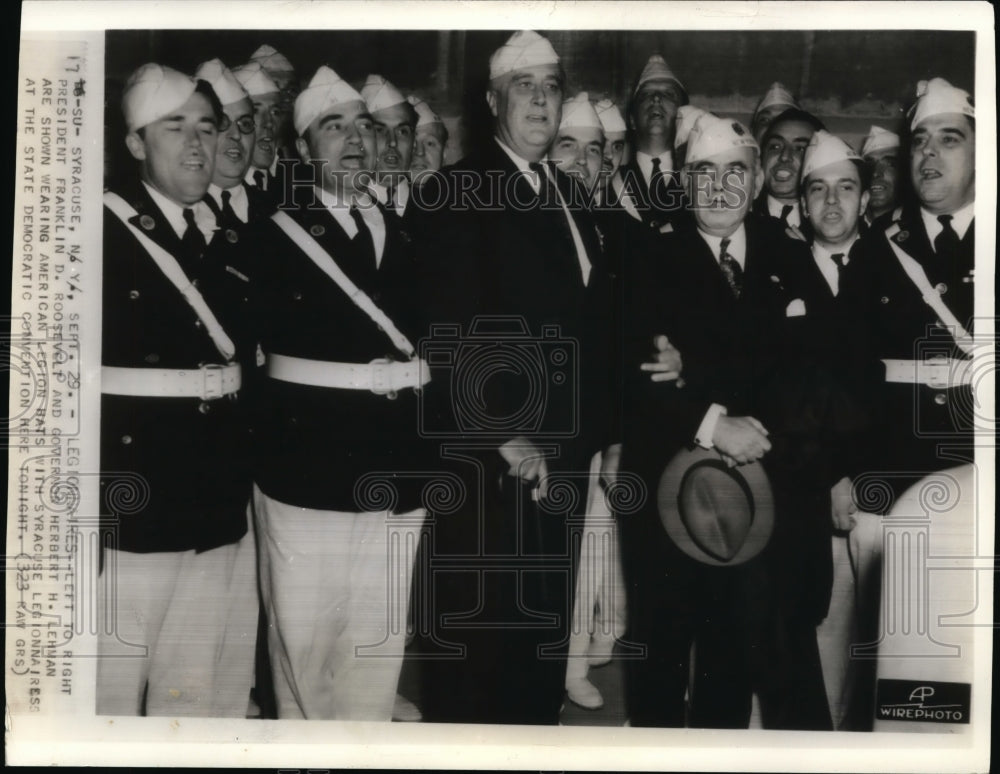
(231,236)
(885,299)
(941,288)
(317,230)
(147,222)
(902,236)
(133,294)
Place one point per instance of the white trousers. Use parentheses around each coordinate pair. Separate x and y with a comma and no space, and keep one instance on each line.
(336,587)
(178,632)
(599,607)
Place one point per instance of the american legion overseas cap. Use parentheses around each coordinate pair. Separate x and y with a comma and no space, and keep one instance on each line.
(686,116)
(825,149)
(776,95)
(936,97)
(325,90)
(611,117)
(379,94)
(711,135)
(716,514)
(578,112)
(225,85)
(152,92)
(879,139)
(255,80)
(656,69)
(425,113)
(272,60)
(525,48)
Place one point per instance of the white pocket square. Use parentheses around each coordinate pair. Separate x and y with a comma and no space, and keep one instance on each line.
(796,308)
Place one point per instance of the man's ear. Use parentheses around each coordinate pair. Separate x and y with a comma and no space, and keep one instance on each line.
(491,100)
(865,198)
(804,209)
(303,148)
(135,146)
(758,178)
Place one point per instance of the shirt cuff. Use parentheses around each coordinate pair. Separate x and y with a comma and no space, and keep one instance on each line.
(703,437)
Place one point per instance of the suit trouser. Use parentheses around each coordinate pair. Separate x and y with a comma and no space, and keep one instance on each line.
(599,607)
(196,616)
(336,586)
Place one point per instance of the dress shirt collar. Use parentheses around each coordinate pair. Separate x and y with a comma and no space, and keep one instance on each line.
(238,199)
(645,162)
(775,206)
(737,247)
(174,213)
(960,221)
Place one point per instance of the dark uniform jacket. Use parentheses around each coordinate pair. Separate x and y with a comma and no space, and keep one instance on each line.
(317,447)
(262,204)
(499,253)
(925,429)
(190,454)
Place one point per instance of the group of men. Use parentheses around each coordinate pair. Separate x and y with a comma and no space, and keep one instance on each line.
(312,329)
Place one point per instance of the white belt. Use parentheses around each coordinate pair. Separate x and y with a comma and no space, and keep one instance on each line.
(383,377)
(937,372)
(206,382)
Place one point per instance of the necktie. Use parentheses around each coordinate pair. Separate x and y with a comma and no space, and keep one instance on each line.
(551,202)
(730,268)
(946,243)
(838,258)
(657,186)
(786,210)
(260,179)
(363,239)
(229,217)
(193,240)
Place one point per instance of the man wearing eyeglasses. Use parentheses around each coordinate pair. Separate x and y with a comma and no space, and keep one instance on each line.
(231,199)
(269,112)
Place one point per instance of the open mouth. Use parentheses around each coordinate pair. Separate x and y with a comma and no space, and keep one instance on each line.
(234,154)
(538,119)
(193,164)
(833,216)
(929,174)
(877,188)
(352,161)
(390,160)
(782,175)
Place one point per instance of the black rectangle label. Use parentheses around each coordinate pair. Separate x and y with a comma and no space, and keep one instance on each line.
(923,701)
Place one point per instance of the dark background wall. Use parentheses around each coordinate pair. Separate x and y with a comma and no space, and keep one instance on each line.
(851,79)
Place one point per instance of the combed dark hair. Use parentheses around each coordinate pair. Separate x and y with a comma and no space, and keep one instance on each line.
(795,114)
(205,88)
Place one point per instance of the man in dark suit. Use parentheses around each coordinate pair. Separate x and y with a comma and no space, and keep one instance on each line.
(176,478)
(817,401)
(233,201)
(709,288)
(650,177)
(785,141)
(329,295)
(516,246)
(925,292)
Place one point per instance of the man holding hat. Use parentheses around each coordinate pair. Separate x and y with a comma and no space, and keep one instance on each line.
(173,431)
(329,291)
(512,242)
(266,98)
(650,178)
(775,101)
(785,141)
(395,125)
(926,289)
(715,299)
(881,154)
(232,200)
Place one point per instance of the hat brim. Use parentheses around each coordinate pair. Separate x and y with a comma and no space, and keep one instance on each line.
(751,478)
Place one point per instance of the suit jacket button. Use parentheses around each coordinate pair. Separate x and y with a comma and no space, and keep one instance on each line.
(317,230)
(297,295)
(885,299)
(231,236)
(941,288)
(204,407)
(126,439)
(940,398)
(197,323)
(133,294)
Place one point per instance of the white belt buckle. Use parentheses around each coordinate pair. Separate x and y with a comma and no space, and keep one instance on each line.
(211,381)
(382,378)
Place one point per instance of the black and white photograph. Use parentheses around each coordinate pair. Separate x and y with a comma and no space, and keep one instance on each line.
(458,380)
